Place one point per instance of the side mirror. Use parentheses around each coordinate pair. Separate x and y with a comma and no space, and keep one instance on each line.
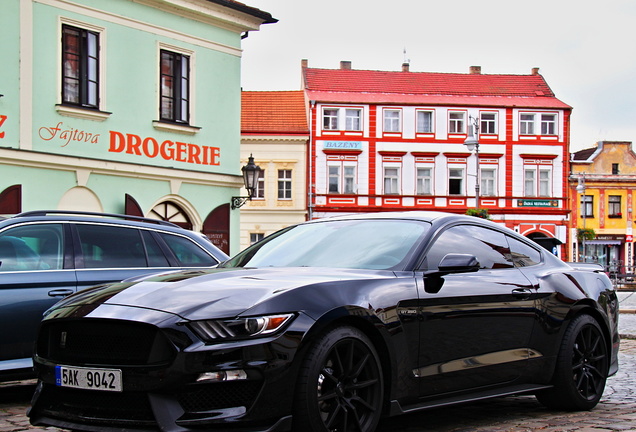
(451,263)
(458,263)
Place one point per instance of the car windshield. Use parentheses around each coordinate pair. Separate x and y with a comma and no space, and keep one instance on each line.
(359,244)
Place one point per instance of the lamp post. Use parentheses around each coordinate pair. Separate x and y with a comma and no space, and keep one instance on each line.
(580,188)
(472,142)
(251,173)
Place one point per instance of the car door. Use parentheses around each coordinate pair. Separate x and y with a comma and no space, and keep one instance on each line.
(111,253)
(475,326)
(35,273)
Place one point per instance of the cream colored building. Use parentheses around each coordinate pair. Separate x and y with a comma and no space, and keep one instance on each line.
(274,131)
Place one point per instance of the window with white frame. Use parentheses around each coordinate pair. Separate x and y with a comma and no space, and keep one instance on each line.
(424,121)
(456,181)
(342,178)
(284,184)
(545,182)
(587,206)
(537,181)
(334,118)
(548,124)
(488,182)
(538,123)
(424,181)
(392,120)
(256,237)
(530,182)
(80,67)
(330,119)
(391,180)
(259,191)
(353,119)
(488,123)
(456,120)
(614,206)
(526,124)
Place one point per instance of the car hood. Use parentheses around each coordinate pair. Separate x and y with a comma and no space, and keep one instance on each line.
(212,293)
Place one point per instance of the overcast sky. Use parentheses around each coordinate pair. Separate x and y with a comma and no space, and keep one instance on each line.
(585,50)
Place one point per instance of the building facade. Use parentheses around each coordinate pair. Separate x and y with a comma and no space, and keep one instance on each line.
(124,107)
(603,190)
(274,131)
(385,141)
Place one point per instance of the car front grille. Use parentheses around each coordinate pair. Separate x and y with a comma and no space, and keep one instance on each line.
(129,409)
(218,396)
(104,342)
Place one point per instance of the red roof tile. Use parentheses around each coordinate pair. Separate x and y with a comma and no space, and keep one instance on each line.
(338,85)
(273,112)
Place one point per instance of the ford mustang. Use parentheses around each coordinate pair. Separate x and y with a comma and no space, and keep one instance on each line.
(328,326)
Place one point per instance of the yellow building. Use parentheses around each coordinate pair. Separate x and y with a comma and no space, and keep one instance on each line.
(603,190)
(274,131)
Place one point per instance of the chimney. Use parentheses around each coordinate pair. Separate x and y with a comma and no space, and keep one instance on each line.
(345,65)
(304,63)
(405,67)
(535,71)
(475,70)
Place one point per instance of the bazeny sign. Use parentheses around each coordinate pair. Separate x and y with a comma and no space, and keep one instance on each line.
(168,150)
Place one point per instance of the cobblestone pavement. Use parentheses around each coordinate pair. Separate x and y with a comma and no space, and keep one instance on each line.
(616,412)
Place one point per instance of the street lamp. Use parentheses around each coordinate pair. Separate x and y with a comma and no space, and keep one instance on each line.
(580,188)
(472,142)
(251,173)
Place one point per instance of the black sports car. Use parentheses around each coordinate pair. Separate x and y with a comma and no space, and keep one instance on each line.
(327,326)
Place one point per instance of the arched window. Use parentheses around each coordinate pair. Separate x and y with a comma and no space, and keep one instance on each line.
(171,212)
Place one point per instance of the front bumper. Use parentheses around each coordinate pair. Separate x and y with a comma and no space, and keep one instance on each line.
(162,392)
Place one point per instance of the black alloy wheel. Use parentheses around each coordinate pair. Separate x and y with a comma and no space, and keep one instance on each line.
(582,367)
(340,386)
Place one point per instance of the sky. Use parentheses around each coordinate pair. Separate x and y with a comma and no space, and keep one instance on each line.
(585,50)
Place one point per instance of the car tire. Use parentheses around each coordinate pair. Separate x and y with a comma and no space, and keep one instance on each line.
(581,370)
(340,385)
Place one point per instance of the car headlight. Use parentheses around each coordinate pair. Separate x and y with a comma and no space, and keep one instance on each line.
(239,328)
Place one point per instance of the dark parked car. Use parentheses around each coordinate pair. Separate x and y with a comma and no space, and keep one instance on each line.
(47,255)
(327,326)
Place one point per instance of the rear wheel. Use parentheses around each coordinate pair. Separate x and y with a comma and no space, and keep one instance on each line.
(582,366)
(340,385)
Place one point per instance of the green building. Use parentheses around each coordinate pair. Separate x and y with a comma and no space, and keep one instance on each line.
(124,106)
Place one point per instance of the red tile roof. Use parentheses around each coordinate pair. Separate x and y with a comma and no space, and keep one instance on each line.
(365,86)
(273,112)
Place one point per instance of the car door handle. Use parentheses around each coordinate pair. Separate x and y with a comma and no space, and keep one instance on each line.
(522,293)
(60,292)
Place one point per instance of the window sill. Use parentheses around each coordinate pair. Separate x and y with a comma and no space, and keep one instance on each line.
(82,113)
(615,216)
(172,127)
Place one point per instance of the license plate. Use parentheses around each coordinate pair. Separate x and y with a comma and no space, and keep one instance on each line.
(88,378)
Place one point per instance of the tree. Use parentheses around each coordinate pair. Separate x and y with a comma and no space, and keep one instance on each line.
(585,234)
(477,212)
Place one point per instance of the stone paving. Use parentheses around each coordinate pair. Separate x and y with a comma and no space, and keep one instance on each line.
(616,412)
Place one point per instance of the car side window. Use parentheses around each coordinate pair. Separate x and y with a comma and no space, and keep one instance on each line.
(523,255)
(156,258)
(111,247)
(489,246)
(187,252)
(32,247)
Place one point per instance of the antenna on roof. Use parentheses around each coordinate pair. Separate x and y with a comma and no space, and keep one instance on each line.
(406,62)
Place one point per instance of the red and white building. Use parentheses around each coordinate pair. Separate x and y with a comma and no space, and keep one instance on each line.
(394,140)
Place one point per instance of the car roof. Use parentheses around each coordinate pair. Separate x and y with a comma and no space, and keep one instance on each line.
(437,219)
(433,217)
(81,216)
